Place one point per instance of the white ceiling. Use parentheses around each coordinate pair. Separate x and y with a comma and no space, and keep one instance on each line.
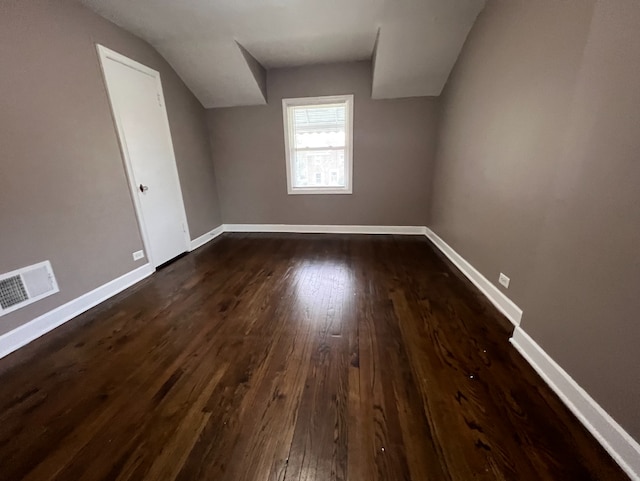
(418,43)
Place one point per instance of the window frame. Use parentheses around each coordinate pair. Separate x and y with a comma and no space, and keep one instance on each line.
(348,148)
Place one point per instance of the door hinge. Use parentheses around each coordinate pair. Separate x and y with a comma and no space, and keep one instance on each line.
(159,100)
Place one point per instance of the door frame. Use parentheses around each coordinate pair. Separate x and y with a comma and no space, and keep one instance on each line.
(105,54)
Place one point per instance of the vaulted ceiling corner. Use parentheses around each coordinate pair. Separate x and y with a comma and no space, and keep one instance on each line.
(222,48)
(416,50)
(258,71)
(219,72)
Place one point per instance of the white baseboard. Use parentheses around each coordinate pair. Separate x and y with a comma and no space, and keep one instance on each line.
(203,239)
(618,443)
(622,447)
(491,292)
(24,334)
(39,326)
(326,229)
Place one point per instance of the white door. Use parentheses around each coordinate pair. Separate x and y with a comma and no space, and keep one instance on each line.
(137,102)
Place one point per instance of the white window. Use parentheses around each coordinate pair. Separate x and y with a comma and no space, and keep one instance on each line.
(318,135)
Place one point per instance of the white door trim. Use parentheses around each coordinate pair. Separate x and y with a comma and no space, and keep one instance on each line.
(107,54)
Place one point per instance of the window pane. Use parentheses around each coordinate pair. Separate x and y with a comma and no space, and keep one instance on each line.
(318,168)
(319,137)
(322,125)
(319,140)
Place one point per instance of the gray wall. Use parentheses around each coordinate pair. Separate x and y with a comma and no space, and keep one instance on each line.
(393,151)
(63,191)
(537,176)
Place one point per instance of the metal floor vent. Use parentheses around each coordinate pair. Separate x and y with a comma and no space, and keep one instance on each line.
(25,286)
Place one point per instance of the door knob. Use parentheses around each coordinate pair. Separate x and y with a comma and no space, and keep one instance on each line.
(143,188)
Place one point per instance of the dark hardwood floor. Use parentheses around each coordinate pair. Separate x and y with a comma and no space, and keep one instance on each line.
(289,357)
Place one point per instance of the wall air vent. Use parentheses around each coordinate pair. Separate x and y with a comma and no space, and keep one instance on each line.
(25,286)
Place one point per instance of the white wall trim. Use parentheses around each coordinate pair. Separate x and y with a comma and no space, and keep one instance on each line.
(24,334)
(207,237)
(326,229)
(505,305)
(39,326)
(618,443)
(287,105)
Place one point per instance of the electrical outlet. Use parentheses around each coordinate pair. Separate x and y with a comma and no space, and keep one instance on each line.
(138,255)
(504,280)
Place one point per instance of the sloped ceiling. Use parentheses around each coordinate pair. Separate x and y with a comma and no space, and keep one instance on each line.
(221,48)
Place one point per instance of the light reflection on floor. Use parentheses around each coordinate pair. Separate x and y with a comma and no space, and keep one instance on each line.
(324,292)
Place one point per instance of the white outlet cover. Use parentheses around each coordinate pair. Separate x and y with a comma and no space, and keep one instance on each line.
(504,280)
(138,255)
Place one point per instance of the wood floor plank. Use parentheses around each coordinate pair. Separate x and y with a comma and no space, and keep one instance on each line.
(290,357)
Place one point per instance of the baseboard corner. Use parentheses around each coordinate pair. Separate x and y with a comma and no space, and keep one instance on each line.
(206,237)
(505,305)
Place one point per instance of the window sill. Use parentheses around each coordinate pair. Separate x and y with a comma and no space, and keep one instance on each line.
(312,191)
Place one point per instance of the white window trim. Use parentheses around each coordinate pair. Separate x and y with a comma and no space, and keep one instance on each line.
(348,149)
